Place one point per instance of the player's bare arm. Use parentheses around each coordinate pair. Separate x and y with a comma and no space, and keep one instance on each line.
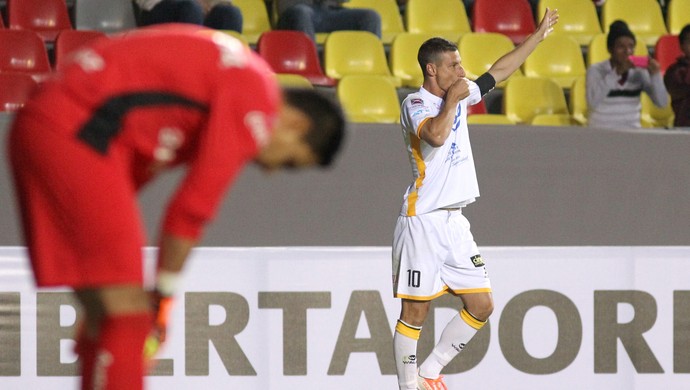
(509,63)
(435,130)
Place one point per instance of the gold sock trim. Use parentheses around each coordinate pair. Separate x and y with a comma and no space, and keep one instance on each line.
(408,330)
(470,320)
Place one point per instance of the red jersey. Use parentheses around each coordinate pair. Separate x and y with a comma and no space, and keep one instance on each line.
(124,110)
(160,98)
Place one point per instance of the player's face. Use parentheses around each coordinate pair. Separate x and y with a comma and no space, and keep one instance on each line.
(287,148)
(448,69)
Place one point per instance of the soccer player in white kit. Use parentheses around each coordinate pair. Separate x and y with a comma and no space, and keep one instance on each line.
(433,249)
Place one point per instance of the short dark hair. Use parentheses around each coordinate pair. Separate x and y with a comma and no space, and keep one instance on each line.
(618,29)
(327,129)
(430,50)
(684,34)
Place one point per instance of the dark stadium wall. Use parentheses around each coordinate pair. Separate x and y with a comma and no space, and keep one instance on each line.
(540,186)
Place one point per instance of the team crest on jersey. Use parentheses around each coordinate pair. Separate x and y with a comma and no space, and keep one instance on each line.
(89,60)
(477,260)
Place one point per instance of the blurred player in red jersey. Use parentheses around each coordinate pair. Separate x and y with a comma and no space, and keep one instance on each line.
(124,110)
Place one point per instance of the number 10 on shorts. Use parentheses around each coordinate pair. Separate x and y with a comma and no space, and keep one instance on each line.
(413,277)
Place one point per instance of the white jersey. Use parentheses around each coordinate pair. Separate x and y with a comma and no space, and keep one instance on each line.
(444,177)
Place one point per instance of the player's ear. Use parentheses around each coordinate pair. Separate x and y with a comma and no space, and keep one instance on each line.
(431,69)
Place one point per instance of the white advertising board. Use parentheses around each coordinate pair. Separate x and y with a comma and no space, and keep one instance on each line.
(596,318)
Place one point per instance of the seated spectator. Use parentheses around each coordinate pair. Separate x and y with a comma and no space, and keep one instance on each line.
(315,16)
(614,85)
(677,81)
(218,14)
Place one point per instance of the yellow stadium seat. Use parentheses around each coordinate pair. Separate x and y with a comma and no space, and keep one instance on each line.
(291,80)
(597,50)
(355,52)
(578,100)
(552,120)
(644,17)
(677,15)
(478,51)
(526,97)
(444,18)
(391,20)
(403,58)
(576,18)
(255,19)
(369,99)
(558,57)
(653,116)
(489,119)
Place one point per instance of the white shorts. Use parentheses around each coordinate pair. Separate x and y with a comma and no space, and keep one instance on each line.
(435,253)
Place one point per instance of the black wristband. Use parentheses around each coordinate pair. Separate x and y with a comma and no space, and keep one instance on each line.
(486,83)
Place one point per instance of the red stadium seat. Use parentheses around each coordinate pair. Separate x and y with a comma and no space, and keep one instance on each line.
(293,52)
(667,50)
(479,108)
(45,17)
(15,89)
(69,40)
(23,51)
(513,18)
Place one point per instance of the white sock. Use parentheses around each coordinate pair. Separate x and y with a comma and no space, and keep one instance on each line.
(405,349)
(456,334)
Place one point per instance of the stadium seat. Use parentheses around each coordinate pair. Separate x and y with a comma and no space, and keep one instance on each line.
(255,19)
(526,97)
(576,18)
(293,52)
(558,57)
(578,100)
(644,17)
(478,114)
(403,58)
(289,80)
(513,18)
(653,116)
(45,17)
(478,51)
(369,99)
(552,120)
(15,89)
(444,18)
(391,20)
(667,50)
(355,52)
(597,50)
(677,15)
(489,119)
(23,51)
(477,109)
(108,16)
(69,40)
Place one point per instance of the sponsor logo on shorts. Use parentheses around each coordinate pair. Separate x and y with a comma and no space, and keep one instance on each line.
(477,260)
(411,359)
(416,101)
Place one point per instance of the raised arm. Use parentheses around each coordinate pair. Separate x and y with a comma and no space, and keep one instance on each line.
(510,62)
